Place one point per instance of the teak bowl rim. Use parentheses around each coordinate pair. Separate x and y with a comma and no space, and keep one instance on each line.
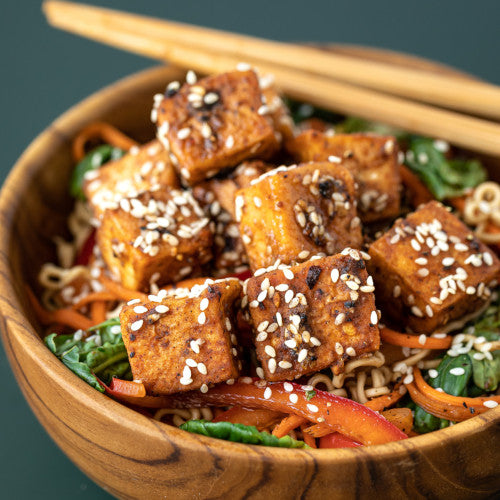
(14,318)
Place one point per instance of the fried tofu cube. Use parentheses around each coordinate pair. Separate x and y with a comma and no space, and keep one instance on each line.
(295,212)
(158,236)
(141,169)
(372,160)
(216,123)
(216,197)
(312,316)
(183,341)
(429,269)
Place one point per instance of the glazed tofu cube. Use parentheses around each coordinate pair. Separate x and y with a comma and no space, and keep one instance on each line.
(295,212)
(142,169)
(216,123)
(372,160)
(312,316)
(429,269)
(216,197)
(183,341)
(158,236)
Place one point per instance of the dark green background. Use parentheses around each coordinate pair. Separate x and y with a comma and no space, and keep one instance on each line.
(44,71)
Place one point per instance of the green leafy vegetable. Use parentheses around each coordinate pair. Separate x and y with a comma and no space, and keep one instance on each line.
(310,395)
(240,433)
(486,372)
(456,385)
(353,124)
(302,111)
(445,178)
(103,354)
(94,159)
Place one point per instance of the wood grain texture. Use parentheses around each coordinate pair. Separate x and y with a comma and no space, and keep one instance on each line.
(132,456)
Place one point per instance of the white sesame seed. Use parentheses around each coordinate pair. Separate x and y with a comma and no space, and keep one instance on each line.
(339,349)
(335,275)
(282,287)
(202,368)
(457,371)
(288,274)
(429,311)
(191,77)
(202,318)
(279,319)
(423,272)
(396,291)
(422,339)
(204,388)
(136,325)
(262,296)
(186,381)
(271,365)
(260,372)
(302,355)
(315,341)
(421,261)
(408,379)
(285,364)
(488,259)
(461,247)
(340,319)
(304,254)
(262,326)
(293,398)
(417,311)
(161,309)
(140,309)
(350,351)
(288,296)
(448,261)
(203,304)
(312,408)
(270,351)
(490,403)
(261,337)
(186,372)
(268,393)
(416,245)
(433,373)
(133,301)
(373,318)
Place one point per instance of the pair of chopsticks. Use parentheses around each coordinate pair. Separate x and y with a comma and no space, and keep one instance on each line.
(371,90)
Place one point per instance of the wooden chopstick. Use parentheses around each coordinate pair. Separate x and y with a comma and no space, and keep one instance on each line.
(446,91)
(465,131)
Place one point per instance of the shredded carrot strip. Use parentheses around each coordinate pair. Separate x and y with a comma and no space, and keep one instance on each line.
(418,191)
(387,400)
(288,424)
(67,317)
(406,340)
(121,292)
(308,439)
(103,131)
(442,397)
(98,312)
(93,297)
(441,410)
(317,430)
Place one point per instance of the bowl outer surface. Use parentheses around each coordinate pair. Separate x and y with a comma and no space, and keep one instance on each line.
(132,456)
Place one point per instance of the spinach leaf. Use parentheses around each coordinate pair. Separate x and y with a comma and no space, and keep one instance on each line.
(445,178)
(103,354)
(456,385)
(93,160)
(240,433)
(486,372)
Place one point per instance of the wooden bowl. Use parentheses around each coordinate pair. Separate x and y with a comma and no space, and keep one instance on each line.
(133,456)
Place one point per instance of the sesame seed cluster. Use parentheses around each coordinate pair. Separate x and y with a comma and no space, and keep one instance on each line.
(312,315)
(429,269)
(290,213)
(183,339)
(216,122)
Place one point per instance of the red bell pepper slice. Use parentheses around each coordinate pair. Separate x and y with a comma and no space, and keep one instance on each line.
(337,440)
(341,414)
(83,258)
